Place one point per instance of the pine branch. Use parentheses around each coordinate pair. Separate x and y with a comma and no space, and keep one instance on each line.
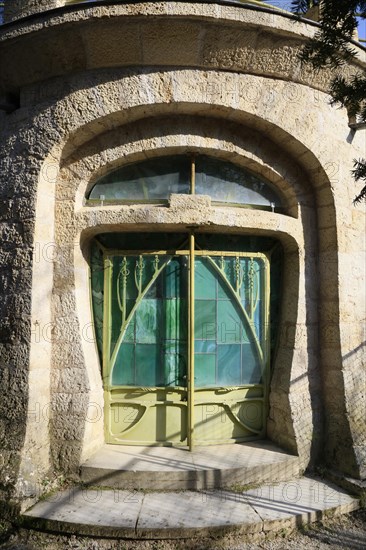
(300,7)
(331,47)
(350,94)
(359,174)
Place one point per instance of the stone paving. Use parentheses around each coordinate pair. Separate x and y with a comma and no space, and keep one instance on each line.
(136,514)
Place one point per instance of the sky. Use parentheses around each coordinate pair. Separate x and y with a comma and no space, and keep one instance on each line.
(286,5)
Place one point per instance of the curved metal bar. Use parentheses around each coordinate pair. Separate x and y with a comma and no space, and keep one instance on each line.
(146,407)
(124,272)
(236,419)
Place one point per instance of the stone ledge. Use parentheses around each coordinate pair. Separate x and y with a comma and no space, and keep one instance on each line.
(354,486)
(59,44)
(165,468)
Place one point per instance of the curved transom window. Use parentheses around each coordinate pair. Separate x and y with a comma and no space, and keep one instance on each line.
(154,180)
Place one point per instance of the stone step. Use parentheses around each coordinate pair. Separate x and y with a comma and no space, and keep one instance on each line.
(167,468)
(167,515)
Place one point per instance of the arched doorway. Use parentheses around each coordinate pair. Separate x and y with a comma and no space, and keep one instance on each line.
(183,319)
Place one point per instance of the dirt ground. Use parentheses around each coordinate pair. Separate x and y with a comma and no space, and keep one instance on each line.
(348,532)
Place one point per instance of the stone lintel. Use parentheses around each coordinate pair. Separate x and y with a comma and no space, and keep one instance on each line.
(188,202)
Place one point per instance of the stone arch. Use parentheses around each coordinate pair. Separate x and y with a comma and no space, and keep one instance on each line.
(163,136)
(86,162)
(80,134)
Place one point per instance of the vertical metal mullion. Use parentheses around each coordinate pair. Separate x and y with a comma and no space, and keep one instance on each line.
(241,334)
(217,331)
(267,331)
(190,382)
(134,351)
(193,175)
(190,434)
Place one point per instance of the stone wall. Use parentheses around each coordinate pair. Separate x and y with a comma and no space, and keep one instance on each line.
(70,130)
(16,9)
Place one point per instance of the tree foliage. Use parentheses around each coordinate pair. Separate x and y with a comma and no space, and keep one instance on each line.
(332,47)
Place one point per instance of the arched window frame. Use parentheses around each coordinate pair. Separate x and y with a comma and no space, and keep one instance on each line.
(277,204)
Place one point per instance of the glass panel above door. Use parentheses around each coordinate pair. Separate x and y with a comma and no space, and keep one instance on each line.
(226,182)
(154,180)
(143,181)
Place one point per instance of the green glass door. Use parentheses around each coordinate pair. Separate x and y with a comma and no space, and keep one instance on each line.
(230,345)
(146,363)
(185,346)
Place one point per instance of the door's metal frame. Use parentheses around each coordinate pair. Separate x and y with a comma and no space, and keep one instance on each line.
(192,253)
(190,424)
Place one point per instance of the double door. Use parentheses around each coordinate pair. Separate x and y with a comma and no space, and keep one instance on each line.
(185,345)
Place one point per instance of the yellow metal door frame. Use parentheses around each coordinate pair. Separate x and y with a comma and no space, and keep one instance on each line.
(205,396)
(190,434)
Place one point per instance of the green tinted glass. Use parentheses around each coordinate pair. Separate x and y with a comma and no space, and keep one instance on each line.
(228,328)
(97,290)
(148,316)
(149,320)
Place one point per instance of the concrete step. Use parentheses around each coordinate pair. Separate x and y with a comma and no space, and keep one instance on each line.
(167,468)
(167,515)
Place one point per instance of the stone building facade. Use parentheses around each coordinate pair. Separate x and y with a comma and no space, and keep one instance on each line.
(87,89)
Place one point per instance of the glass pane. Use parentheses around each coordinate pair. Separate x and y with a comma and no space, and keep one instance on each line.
(151,337)
(252,292)
(143,241)
(205,370)
(97,289)
(172,319)
(229,272)
(150,179)
(148,365)
(252,371)
(204,282)
(230,323)
(227,328)
(148,321)
(234,243)
(205,346)
(130,331)
(126,358)
(229,365)
(205,319)
(227,182)
(173,279)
